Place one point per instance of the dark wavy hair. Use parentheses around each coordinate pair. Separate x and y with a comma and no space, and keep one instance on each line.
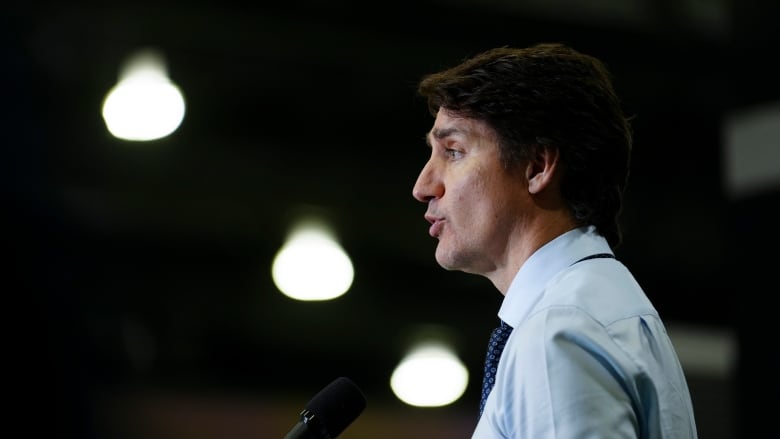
(548,95)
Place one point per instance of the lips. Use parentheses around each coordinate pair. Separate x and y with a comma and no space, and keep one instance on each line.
(437,224)
(435,229)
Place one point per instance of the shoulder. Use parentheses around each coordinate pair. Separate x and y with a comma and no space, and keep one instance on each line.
(602,290)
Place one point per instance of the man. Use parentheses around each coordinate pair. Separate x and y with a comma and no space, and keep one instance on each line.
(529,160)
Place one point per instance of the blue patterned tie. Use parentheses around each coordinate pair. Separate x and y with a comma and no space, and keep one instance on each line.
(496,345)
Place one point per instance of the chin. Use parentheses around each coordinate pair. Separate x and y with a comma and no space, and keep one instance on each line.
(445,260)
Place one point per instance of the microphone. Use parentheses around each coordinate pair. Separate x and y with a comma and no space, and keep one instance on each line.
(330,411)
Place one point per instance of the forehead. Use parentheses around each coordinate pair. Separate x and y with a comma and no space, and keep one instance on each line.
(450,125)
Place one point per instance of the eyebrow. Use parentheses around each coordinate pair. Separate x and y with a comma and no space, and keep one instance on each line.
(439,133)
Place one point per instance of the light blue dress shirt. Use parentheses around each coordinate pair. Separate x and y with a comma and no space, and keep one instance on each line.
(589,356)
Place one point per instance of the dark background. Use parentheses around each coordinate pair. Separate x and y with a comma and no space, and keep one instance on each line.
(147,265)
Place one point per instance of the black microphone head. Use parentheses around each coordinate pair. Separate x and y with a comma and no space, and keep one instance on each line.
(337,405)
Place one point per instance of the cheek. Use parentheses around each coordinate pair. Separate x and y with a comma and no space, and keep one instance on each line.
(479,203)
(483,188)
(493,200)
(470,191)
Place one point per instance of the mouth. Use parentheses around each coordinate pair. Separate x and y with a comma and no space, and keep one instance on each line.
(437,224)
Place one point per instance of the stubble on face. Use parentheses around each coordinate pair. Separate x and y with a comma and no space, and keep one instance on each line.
(476,186)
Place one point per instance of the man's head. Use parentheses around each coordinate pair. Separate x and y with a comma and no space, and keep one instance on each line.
(541,98)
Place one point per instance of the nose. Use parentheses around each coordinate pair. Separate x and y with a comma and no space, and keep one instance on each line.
(427,186)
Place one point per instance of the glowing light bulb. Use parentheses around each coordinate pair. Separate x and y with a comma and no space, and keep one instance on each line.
(311,265)
(431,375)
(144,105)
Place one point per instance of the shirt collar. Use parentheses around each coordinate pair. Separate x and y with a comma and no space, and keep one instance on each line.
(528,285)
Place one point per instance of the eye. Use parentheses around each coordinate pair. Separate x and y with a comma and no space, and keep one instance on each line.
(453,153)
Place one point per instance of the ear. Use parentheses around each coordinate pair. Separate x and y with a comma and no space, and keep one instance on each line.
(541,168)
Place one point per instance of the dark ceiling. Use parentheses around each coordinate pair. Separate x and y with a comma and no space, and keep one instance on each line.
(149,263)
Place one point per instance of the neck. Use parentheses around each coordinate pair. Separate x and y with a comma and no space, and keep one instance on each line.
(524,242)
